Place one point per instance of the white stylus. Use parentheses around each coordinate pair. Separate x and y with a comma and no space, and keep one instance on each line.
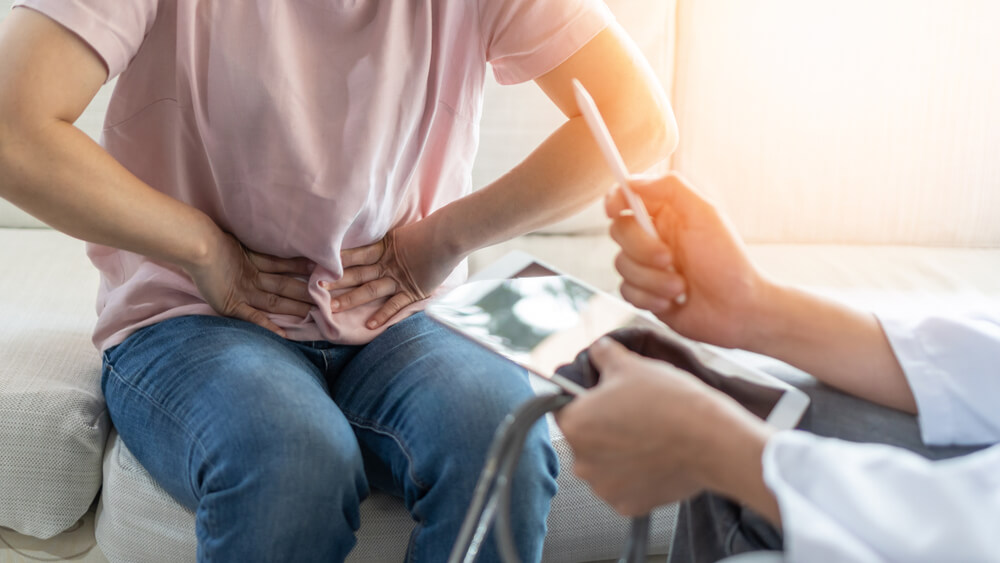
(614,158)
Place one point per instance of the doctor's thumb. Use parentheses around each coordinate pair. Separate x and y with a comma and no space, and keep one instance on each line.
(609,357)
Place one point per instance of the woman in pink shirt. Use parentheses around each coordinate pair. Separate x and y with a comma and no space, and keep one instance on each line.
(278,187)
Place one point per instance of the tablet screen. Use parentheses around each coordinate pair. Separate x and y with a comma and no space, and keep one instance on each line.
(539,319)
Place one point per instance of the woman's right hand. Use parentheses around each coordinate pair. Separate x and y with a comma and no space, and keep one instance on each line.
(697,254)
(240,283)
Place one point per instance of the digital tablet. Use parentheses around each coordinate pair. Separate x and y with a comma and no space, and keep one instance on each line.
(541,319)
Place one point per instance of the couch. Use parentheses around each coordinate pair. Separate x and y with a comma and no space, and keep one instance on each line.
(853,145)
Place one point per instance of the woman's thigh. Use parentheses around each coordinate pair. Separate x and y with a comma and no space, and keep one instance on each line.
(423,400)
(193,395)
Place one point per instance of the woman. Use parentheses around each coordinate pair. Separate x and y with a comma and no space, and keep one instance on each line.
(280,185)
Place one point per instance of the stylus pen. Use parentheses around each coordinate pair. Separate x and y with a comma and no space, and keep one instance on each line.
(602,135)
(613,157)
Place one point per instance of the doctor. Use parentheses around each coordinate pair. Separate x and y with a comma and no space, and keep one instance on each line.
(649,434)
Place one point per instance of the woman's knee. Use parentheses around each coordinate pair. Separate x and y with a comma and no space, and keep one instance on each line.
(476,408)
(293,461)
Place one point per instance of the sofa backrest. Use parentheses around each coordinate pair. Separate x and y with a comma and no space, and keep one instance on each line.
(860,121)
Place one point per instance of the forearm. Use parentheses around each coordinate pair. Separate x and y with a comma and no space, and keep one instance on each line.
(567,171)
(732,458)
(564,174)
(58,174)
(842,347)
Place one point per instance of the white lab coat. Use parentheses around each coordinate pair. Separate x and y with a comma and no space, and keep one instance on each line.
(842,501)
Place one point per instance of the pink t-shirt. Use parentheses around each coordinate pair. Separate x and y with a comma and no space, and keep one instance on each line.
(303,127)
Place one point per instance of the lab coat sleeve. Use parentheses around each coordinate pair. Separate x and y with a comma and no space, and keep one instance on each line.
(953,367)
(843,501)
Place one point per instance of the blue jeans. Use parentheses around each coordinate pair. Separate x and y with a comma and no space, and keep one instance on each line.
(274,443)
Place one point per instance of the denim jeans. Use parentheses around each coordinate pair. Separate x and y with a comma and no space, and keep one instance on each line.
(273,443)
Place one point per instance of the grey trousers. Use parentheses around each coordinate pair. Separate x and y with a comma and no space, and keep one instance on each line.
(711,527)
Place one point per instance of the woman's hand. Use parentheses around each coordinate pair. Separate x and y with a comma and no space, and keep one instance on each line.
(698,254)
(650,434)
(404,267)
(240,283)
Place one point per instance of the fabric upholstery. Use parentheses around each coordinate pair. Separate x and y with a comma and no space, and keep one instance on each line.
(137,522)
(54,423)
(897,273)
(846,122)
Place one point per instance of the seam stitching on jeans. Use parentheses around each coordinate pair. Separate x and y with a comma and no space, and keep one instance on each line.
(156,404)
(404,342)
(378,429)
(410,552)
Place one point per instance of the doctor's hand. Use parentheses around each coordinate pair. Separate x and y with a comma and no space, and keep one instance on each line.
(650,434)
(698,253)
(404,267)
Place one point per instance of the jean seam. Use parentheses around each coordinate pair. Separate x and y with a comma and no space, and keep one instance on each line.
(373,426)
(156,404)
(410,551)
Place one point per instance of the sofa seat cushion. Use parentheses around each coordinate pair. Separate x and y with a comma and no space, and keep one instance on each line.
(138,522)
(865,274)
(54,422)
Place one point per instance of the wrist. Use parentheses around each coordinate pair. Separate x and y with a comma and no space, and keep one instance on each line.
(449,235)
(733,464)
(770,318)
(202,247)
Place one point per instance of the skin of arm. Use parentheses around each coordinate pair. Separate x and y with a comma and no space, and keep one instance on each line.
(648,434)
(731,303)
(57,173)
(558,178)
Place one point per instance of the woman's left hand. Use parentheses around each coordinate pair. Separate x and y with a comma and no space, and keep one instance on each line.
(404,266)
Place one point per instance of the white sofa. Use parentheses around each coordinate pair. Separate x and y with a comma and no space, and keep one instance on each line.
(853,145)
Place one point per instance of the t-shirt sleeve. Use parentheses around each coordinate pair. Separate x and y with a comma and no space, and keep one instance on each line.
(115,29)
(524,39)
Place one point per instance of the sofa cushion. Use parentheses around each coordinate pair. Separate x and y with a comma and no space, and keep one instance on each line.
(54,422)
(11,216)
(895,274)
(138,522)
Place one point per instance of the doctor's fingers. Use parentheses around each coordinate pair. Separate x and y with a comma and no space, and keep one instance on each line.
(666,284)
(642,186)
(659,306)
(639,246)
